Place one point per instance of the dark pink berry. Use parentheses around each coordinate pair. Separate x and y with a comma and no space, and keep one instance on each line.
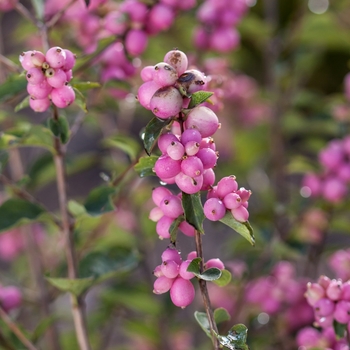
(208,157)
(171,206)
(136,42)
(182,292)
(165,167)
(187,229)
(192,166)
(214,209)
(189,184)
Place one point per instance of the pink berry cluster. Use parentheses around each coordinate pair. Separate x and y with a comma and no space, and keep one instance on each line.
(10,297)
(167,84)
(332,183)
(172,275)
(330,300)
(218,19)
(7,5)
(168,209)
(226,196)
(281,293)
(48,77)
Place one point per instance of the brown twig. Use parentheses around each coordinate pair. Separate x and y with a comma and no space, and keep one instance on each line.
(68,231)
(16,330)
(205,294)
(9,64)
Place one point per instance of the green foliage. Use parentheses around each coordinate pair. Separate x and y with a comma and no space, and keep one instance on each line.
(77,286)
(145,166)
(193,210)
(80,100)
(125,143)
(99,201)
(211,274)
(199,97)
(224,279)
(14,85)
(16,212)
(174,227)
(60,128)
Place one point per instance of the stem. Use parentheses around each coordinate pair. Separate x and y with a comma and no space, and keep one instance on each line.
(67,232)
(16,330)
(205,294)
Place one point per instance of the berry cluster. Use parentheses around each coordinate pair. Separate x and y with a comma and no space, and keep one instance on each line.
(218,18)
(332,183)
(48,76)
(167,83)
(330,300)
(7,5)
(168,208)
(226,196)
(10,297)
(172,275)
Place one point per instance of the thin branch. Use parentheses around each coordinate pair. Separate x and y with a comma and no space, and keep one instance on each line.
(26,14)
(16,330)
(205,294)
(68,231)
(9,64)
(59,14)
(76,126)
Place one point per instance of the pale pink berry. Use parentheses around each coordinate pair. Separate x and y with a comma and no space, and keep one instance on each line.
(145,93)
(171,206)
(189,184)
(35,76)
(25,60)
(166,102)
(334,190)
(39,91)
(324,281)
(136,42)
(175,150)
(309,337)
(208,142)
(158,271)
(203,119)
(208,179)
(324,307)
(182,292)
(165,167)
(334,290)
(63,97)
(70,60)
(215,263)
(187,229)
(192,166)
(163,227)
(39,105)
(226,185)
(314,293)
(313,182)
(241,213)
(56,77)
(232,201)
(178,60)
(342,312)
(147,73)
(192,148)
(164,74)
(159,193)
(214,209)
(171,254)
(170,268)
(56,57)
(37,58)
(183,270)
(162,285)
(155,214)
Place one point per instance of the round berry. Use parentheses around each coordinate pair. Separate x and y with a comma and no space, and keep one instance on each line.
(214,209)
(182,292)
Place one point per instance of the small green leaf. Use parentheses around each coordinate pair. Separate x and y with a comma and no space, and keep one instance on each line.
(126,143)
(99,201)
(152,132)
(193,210)
(76,286)
(339,329)
(243,228)
(60,128)
(80,100)
(23,104)
(221,315)
(202,319)
(76,209)
(42,327)
(194,266)
(86,85)
(212,274)
(199,97)
(4,157)
(174,227)
(145,166)
(15,212)
(12,86)
(103,265)
(224,279)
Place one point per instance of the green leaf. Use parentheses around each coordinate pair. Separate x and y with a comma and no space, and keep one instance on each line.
(194,266)
(76,286)
(103,265)
(221,315)
(80,100)
(199,97)
(125,143)
(202,319)
(243,228)
(236,338)
(211,274)
(86,85)
(15,212)
(42,327)
(23,104)
(224,279)
(152,132)
(12,86)
(339,329)
(174,227)
(99,201)
(145,166)
(60,128)
(193,210)
(76,209)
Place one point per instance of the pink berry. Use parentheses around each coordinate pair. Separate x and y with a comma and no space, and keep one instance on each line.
(158,271)
(214,209)
(241,214)
(39,91)
(189,184)
(182,292)
(39,105)
(183,270)
(63,97)
(162,285)
(165,140)
(35,76)
(334,290)
(187,229)
(203,119)
(190,135)
(160,17)
(170,268)
(145,93)
(215,263)
(147,73)
(163,227)
(56,77)
(171,254)
(25,60)
(159,193)
(177,59)
(10,297)
(208,179)
(165,167)
(226,185)
(342,312)
(314,293)
(324,307)
(171,206)
(208,157)
(136,41)
(56,57)
(192,166)
(166,102)
(232,201)
(70,60)
(164,74)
